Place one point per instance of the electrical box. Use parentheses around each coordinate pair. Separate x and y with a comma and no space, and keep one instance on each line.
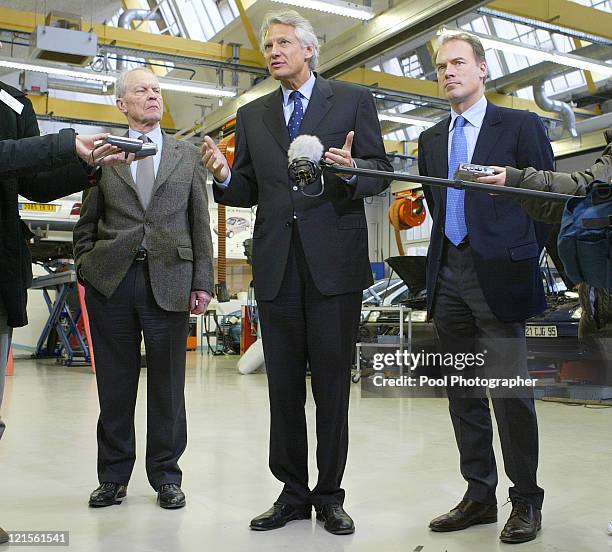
(35,83)
(62,40)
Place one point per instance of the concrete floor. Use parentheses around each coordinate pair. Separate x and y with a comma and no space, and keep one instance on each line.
(402,471)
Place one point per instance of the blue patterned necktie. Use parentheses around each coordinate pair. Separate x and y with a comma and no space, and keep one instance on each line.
(455,227)
(295,121)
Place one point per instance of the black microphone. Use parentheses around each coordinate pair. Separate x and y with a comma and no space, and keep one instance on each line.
(305,155)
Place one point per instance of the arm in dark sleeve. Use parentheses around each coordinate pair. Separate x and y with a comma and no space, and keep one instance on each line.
(534,150)
(36,153)
(423,172)
(369,149)
(201,239)
(241,190)
(58,181)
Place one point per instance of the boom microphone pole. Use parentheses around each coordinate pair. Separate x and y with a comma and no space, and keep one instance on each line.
(306,168)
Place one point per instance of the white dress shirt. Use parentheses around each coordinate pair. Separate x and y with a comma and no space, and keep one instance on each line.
(473,117)
(154,135)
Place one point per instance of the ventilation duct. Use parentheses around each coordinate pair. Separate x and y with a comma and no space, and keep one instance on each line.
(548,104)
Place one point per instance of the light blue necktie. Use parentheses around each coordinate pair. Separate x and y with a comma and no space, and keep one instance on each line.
(455,227)
(295,121)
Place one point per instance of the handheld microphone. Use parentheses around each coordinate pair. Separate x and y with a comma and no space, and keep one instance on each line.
(305,155)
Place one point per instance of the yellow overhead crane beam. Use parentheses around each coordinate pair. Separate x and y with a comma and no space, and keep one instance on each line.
(560,12)
(105,115)
(25,22)
(429,89)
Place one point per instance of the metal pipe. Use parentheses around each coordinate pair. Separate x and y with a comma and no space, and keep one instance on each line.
(125,20)
(545,26)
(548,104)
(446,183)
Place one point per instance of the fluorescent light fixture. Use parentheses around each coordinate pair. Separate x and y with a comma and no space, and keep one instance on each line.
(405,120)
(175,85)
(336,7)
(554,56)
(198,89)
(60,71)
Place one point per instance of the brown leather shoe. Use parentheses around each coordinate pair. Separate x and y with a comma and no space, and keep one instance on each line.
(523,524)
(464,515)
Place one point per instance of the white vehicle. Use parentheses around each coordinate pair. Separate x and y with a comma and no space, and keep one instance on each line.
(233,226)
(53,221)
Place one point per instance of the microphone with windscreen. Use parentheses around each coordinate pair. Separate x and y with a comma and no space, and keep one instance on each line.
(305,155)
(306,165)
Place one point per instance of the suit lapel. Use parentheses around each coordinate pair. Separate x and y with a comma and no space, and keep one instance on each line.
(440,157)
(274,119)
(124,172)
(318,106)
(170,158)
(488,135)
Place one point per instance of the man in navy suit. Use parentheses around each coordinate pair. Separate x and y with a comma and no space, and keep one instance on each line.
(483,282)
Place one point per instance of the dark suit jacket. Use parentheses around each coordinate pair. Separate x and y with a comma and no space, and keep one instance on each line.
(332,227)
(113,223)
(506,243)
(62,175)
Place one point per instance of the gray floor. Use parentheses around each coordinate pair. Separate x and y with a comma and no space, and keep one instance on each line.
(402,471)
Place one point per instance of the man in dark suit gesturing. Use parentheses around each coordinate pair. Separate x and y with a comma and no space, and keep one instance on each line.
(310,259)
(483,282)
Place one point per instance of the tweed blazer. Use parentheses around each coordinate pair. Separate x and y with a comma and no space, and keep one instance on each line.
(176,224)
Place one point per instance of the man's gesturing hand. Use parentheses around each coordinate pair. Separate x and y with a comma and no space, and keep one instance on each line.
(342,156)
(198,302)
(214,160)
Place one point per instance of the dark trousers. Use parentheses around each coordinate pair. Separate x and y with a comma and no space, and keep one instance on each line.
(301,327)
(116,326)
(464,323)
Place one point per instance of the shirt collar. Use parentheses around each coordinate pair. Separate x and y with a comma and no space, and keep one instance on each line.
(306,89)
(474,115)
(154,135)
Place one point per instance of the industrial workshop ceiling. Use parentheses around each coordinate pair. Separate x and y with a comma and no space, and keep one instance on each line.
(550,56)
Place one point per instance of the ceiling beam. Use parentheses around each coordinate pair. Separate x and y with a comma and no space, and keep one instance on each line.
(564,13)
(429,89)
(85,112)
(26,22)
(409,19)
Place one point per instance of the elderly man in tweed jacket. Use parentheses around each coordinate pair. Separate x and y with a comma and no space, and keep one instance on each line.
(143,249)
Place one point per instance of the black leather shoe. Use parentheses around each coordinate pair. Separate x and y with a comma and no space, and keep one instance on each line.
(107,494)
(279,515)
(337,521)
(170,496)
(465,514)
(523,524)
(4,538)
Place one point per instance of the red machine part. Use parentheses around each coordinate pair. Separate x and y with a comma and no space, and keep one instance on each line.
(407,211)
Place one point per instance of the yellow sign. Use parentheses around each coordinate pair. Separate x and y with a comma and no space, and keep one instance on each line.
(38,207)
